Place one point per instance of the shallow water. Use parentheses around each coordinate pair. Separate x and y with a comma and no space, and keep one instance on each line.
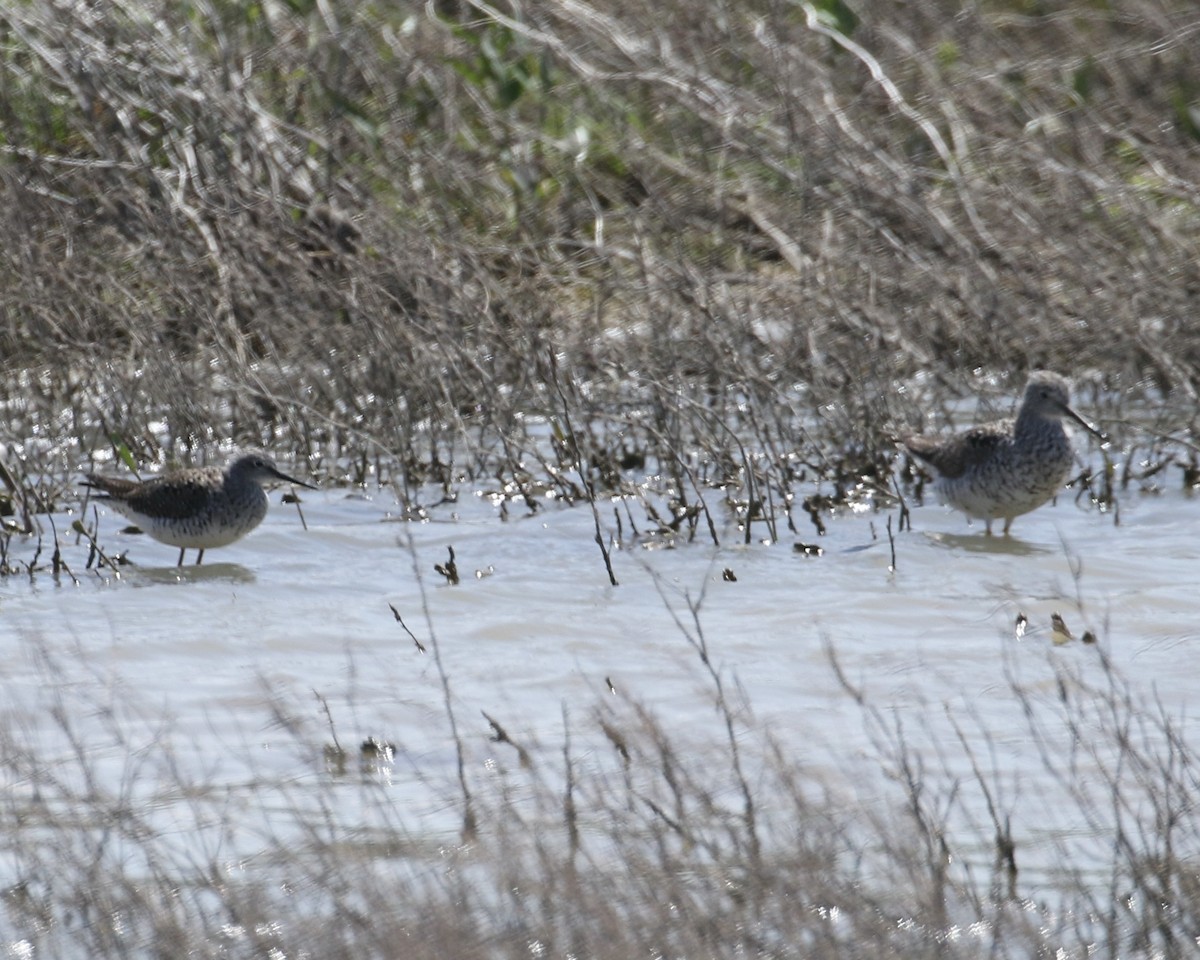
(208,676)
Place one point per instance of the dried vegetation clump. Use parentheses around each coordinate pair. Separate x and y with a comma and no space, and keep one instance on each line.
(398,241)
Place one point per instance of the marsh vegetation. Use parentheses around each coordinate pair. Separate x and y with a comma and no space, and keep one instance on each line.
(397,242)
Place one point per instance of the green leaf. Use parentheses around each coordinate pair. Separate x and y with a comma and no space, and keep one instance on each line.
(122,451)
(1083,78)
(509,90)
(1187,113)
(837,14)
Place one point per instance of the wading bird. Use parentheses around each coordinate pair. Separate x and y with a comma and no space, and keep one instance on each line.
(196,508)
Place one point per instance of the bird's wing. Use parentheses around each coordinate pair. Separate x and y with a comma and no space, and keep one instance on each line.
(954,456)
(168,498)
(115,487)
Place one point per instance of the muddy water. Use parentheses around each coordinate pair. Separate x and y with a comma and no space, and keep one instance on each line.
(203,682)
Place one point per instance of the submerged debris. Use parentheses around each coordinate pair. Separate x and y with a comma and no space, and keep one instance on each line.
(400,620)
(1060,633)
(375,754)
(449,569)
(500,735)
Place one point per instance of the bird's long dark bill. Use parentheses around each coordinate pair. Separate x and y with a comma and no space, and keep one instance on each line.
(1098,434)
(300,483)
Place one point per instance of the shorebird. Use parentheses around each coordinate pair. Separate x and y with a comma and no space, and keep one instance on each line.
(196,508)
(1003,469)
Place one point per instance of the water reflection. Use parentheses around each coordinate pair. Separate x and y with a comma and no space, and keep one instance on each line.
(139,576)
(982,543)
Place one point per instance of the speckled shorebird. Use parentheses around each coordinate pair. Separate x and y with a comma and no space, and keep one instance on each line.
(1009,467)
(196,508)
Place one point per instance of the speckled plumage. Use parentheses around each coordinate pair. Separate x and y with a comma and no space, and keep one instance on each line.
(1003,469)
(196,508)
